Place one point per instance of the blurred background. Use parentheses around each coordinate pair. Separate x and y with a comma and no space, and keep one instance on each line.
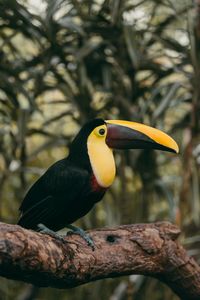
(64,62)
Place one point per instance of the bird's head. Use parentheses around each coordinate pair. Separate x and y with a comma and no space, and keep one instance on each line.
(98,138)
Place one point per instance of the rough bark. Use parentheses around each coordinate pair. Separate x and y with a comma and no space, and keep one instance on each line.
(149,249)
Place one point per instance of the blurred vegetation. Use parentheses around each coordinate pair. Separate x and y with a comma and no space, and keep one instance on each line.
(64,62)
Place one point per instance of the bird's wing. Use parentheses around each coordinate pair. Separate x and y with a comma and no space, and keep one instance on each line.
(34,195)
(61,184)
(38,213)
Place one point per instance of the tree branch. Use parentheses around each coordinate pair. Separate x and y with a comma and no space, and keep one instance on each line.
(149,249)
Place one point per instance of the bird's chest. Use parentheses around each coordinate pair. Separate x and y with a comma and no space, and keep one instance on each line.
(84,200)
(92,194)
(95,186)
(95,192)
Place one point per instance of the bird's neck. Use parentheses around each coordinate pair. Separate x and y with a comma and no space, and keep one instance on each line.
(78,156)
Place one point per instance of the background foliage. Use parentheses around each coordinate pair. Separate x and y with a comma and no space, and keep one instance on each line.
(64,62)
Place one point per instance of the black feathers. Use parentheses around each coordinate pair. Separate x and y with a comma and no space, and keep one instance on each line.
(52,197)
(64,193)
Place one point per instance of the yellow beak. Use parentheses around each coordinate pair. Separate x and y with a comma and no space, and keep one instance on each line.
(131,135)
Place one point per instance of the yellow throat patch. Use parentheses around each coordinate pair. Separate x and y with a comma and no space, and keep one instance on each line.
(101,157)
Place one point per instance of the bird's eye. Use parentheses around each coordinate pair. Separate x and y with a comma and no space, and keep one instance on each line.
(102,131)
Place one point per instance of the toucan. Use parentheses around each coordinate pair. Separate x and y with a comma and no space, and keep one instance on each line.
(72,186)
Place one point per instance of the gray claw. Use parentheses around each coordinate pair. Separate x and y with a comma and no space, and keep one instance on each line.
(83,234)
(43,229)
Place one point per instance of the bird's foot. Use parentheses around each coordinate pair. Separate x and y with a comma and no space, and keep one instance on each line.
(83,234)
(43,229)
